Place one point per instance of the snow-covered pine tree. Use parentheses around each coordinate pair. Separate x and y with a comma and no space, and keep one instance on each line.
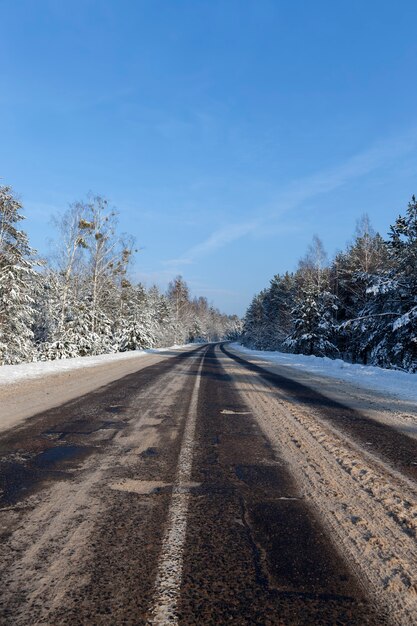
(386,326)
(254,323)
(278,305)
(268,320)
(398,347)
(234,328)
(17,278)
(314,325)
(352,273)
(201,320)
(163,317)
(51,330)
(137,329)
(314,316)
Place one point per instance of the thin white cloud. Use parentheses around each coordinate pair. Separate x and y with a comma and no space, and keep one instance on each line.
(218,239)
(379,155)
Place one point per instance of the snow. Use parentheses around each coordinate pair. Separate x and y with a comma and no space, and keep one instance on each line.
(24,372)
(397,384)
(28,389)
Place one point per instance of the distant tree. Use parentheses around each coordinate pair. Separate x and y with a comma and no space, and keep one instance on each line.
(179,296)
(278,305)
(234,328)
(69,256)
(312,268)
(108,254)
(138,329)
(254,323)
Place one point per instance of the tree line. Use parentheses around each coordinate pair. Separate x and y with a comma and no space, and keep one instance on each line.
(361,306)
(82,301)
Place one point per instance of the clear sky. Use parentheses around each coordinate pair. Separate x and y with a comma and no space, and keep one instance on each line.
(226,132)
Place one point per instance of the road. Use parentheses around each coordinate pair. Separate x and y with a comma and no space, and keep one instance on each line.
(204,489)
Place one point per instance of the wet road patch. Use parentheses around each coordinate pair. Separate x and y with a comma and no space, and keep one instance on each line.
(60,455)
(20,478)
(83,429)
(150,452)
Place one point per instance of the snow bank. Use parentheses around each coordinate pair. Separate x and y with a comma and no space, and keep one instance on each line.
(41,369)
(397,384)
(31,388)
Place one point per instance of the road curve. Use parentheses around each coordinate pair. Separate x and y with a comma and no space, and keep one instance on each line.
(204,490)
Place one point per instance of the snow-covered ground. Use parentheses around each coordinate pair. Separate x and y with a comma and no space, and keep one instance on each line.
(30,388)
(393,382)
(41,369)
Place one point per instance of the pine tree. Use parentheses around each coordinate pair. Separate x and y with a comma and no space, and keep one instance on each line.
(138,325)
(399,345)
(254,323)
(314,326)
(17,279)
(385,329)
(352,274)
(163,317)
(314,316)
(278,304)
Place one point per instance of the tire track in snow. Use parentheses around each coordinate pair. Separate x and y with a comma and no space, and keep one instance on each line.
(368,507)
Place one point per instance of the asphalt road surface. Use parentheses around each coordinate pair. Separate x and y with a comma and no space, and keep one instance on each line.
(206,490)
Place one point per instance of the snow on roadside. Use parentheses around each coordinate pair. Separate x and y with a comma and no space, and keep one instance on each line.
(393,382)
(29,371)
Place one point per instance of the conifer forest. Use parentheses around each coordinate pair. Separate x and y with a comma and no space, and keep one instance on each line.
(360,306)
(83,301)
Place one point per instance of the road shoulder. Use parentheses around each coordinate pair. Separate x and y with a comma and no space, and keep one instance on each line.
(24,397)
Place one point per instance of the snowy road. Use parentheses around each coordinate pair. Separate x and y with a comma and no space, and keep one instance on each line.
(204,489)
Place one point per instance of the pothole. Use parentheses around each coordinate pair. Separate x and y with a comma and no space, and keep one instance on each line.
(58,454)
(141,487)
(150,452)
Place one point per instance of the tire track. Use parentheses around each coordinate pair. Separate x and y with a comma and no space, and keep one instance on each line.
(369,507)
(391,445)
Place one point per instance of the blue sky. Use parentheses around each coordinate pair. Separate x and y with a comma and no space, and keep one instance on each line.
(227,132)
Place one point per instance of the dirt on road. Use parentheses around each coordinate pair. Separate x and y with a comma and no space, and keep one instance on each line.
(204,490)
